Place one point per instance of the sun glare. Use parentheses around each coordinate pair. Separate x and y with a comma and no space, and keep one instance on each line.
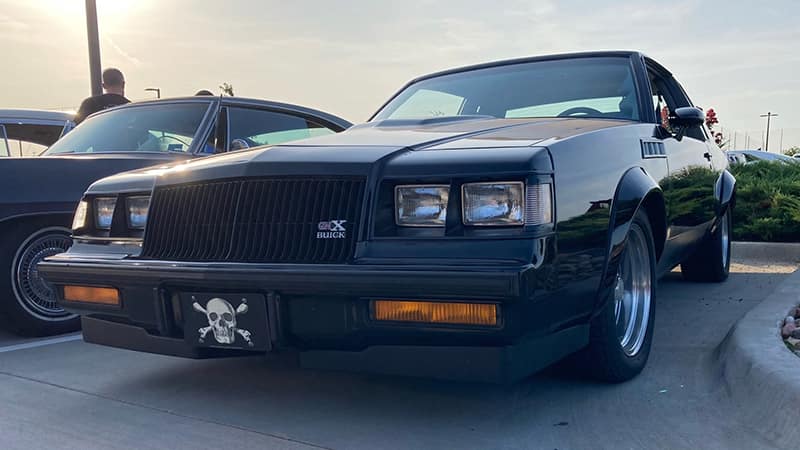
(73,11)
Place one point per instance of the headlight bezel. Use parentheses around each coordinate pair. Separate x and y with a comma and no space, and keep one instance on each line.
(520,222)
(435,223)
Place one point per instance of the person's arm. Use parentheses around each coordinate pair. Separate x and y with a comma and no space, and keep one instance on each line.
(86,108)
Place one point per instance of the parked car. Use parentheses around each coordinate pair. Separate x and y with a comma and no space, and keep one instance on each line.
(751,156)
(485,223)
(28,132)
(39,195)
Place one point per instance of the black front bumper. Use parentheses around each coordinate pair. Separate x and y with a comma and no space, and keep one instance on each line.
(323,311)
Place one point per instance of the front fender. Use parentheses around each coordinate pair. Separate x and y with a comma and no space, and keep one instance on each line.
(636,190)
(725,192)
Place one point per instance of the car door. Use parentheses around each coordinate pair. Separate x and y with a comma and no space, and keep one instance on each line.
(255,125)
(694,164)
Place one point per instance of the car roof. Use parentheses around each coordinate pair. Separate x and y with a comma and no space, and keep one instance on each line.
(244,101)
(527,59)
(35,114)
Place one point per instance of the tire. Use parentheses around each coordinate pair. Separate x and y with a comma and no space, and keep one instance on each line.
(622,332)
(711,262)
(27,303)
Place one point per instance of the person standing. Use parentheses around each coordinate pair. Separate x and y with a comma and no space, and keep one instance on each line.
(114,95)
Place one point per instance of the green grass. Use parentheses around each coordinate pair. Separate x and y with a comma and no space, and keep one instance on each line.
(767,202)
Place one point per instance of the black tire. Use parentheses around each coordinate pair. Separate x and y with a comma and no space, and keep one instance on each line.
(27,304)
(608,356)
(711,262)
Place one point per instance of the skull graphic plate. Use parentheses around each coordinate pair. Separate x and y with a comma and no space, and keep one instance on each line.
(226,320)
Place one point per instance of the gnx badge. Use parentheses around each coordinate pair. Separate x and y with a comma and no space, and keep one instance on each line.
(331,229)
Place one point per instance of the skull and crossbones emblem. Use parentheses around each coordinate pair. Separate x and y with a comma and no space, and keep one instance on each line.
(222,321)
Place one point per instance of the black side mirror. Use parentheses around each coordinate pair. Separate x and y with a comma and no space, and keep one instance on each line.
(685,118)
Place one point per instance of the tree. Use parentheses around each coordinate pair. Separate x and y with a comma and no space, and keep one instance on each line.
(226,88)
(792,151)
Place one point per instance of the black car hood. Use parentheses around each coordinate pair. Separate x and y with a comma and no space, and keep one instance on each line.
(358,150)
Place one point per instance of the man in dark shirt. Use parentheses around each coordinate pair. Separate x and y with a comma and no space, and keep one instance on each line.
(114,87)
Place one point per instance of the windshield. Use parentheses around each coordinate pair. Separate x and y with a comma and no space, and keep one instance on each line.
(147,128)
(579,87)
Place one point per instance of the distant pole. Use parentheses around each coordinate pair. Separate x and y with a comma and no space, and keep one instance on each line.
(94,47)
(769,115)
(781,146)
(746,140)
(734,141)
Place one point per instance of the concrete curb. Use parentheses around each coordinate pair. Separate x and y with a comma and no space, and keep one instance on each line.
(762,376)
(774,252)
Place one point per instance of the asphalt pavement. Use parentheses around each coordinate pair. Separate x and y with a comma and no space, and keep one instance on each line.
(63,393)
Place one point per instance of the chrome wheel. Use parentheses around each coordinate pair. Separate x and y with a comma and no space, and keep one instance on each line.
(724,230)
(633,293)
(33,293)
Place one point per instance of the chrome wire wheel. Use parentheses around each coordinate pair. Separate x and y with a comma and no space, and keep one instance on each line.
(633,293)
(32,291)
(725,237)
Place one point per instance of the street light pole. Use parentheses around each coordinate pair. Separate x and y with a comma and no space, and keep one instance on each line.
(768,115)
(156,90)
(94,47)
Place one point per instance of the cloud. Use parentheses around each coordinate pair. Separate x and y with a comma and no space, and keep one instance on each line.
(8,23)
(128,57)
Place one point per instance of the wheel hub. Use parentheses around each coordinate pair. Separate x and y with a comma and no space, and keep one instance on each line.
(32,289)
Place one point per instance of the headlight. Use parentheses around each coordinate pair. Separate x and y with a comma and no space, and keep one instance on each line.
(137,211)
(421,205)
(104,212)
(79,220)
(493,204)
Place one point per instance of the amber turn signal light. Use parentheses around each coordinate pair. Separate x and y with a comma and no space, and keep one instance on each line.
(90,294)
(435,312)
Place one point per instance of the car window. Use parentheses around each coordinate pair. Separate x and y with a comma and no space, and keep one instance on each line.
(429,103)
(25,149)
(251,127)
(156,127)
(600,87)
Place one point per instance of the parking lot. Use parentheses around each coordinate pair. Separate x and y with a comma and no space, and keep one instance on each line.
(63,393)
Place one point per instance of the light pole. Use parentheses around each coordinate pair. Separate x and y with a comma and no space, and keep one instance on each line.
(768,115)
(94,47)
(156,90)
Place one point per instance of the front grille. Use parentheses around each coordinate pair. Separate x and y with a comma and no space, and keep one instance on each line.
(286,220)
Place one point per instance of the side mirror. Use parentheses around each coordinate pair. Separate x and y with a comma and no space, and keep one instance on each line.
(688,116)
(685,118)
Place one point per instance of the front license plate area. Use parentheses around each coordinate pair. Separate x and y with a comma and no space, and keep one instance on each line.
(232,321)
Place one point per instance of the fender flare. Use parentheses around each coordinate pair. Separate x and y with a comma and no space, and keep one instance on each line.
(725,192)
(635,190)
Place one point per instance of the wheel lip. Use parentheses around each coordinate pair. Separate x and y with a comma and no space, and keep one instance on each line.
(725,238)
(15,272)
(632,337)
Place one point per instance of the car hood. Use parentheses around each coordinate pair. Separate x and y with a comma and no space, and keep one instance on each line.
(361,148)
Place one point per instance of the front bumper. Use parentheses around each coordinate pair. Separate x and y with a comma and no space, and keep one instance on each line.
(323,311)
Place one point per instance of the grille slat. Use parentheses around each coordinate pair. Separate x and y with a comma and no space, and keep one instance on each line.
(254,220)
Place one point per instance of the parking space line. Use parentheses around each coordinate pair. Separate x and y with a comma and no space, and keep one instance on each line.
(41,343)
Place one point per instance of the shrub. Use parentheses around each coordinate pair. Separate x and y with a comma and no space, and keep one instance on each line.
(767,202)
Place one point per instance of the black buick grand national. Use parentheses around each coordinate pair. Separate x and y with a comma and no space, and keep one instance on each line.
(486,222)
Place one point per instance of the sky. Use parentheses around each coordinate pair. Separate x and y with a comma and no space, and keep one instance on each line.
(348,56)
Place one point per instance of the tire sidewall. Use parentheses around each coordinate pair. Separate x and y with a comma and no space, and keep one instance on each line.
(13,273)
